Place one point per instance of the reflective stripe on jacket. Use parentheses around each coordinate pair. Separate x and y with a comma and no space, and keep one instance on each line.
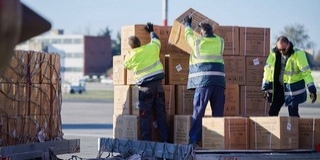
(145,62)
(296,76)
(206,64)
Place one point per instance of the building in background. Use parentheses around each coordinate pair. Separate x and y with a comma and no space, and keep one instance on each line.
(81,56)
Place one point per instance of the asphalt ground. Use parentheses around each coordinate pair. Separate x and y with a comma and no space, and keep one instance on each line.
(90,120)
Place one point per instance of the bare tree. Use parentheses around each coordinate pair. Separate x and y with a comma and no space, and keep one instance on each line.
(298,36)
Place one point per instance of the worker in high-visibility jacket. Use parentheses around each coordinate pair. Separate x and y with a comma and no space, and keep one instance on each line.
(286,75)
(144,60)
(206,75)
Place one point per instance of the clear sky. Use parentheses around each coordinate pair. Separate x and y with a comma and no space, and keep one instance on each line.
(92,16)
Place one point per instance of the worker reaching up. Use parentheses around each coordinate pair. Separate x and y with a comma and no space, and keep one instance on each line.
(144,60)
(206,75)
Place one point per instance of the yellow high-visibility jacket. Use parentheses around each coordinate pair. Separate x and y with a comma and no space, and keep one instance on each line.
(145,62)
(296,76)
(206,64)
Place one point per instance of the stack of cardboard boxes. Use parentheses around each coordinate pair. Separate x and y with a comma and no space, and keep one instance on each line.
(30,99)
(244,126)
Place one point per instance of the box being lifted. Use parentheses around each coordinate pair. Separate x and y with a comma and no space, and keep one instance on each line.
(177,37)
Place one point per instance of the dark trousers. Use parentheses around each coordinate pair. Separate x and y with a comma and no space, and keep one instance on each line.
(278,101)
(202,95)
(152,105)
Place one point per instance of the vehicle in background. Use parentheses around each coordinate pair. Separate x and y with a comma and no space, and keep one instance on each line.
(106,81)
(74,87)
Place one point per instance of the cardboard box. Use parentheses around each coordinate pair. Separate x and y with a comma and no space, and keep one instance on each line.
(16,105)
(178,69)
(119,71)
(17,69)
(230,35)
(169,92)
(182,125)
(254,41)
(225,133)
(232,102)
(122,100)
(309,131)
(254,69)
(134,30)
(177,37)
(126,127)
(184,100)
(252,103)
(163,32)
(234,67)
(274,133)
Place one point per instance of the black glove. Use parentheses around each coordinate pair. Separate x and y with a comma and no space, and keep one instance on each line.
(313,97)
(188,19)
(149,27)
(265,94)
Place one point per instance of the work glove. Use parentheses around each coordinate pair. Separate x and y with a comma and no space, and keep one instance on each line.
(313,97)
(149,27)
(265,94)
(187,20)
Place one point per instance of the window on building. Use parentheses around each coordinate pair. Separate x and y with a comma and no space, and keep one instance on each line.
(77,41)
(55,41)
(67,41)
(74,55)
(77,55)
(73,69)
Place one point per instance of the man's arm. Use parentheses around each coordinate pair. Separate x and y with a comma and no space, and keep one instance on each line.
(189,35)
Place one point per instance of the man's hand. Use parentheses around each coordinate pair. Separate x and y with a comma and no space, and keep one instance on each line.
(313,97)
(188,19)
(149,27)
(265,94)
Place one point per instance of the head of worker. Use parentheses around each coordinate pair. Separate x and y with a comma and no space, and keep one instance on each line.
(283,45)
(134,42)
(206,29)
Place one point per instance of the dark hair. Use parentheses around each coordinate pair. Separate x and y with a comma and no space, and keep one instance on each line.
(207,28)
(134,42)
(283,39)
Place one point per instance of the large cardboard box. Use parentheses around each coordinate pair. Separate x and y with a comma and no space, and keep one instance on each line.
(163,32)
(309,131)
(122,100)
(169,92)
(182,125)
(232,102)
(167,48)
(135,30)
(119,71)
(178,69)
(230,35)
(17,69)
(184,100)
(126,127)
(177,37)
(225,133)
(234,67)
(254,69)
(274,133)
(254,41)
(252,103)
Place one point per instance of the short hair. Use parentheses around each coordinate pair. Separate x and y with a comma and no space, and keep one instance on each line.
(207,28)
(134,42)
(283,39)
